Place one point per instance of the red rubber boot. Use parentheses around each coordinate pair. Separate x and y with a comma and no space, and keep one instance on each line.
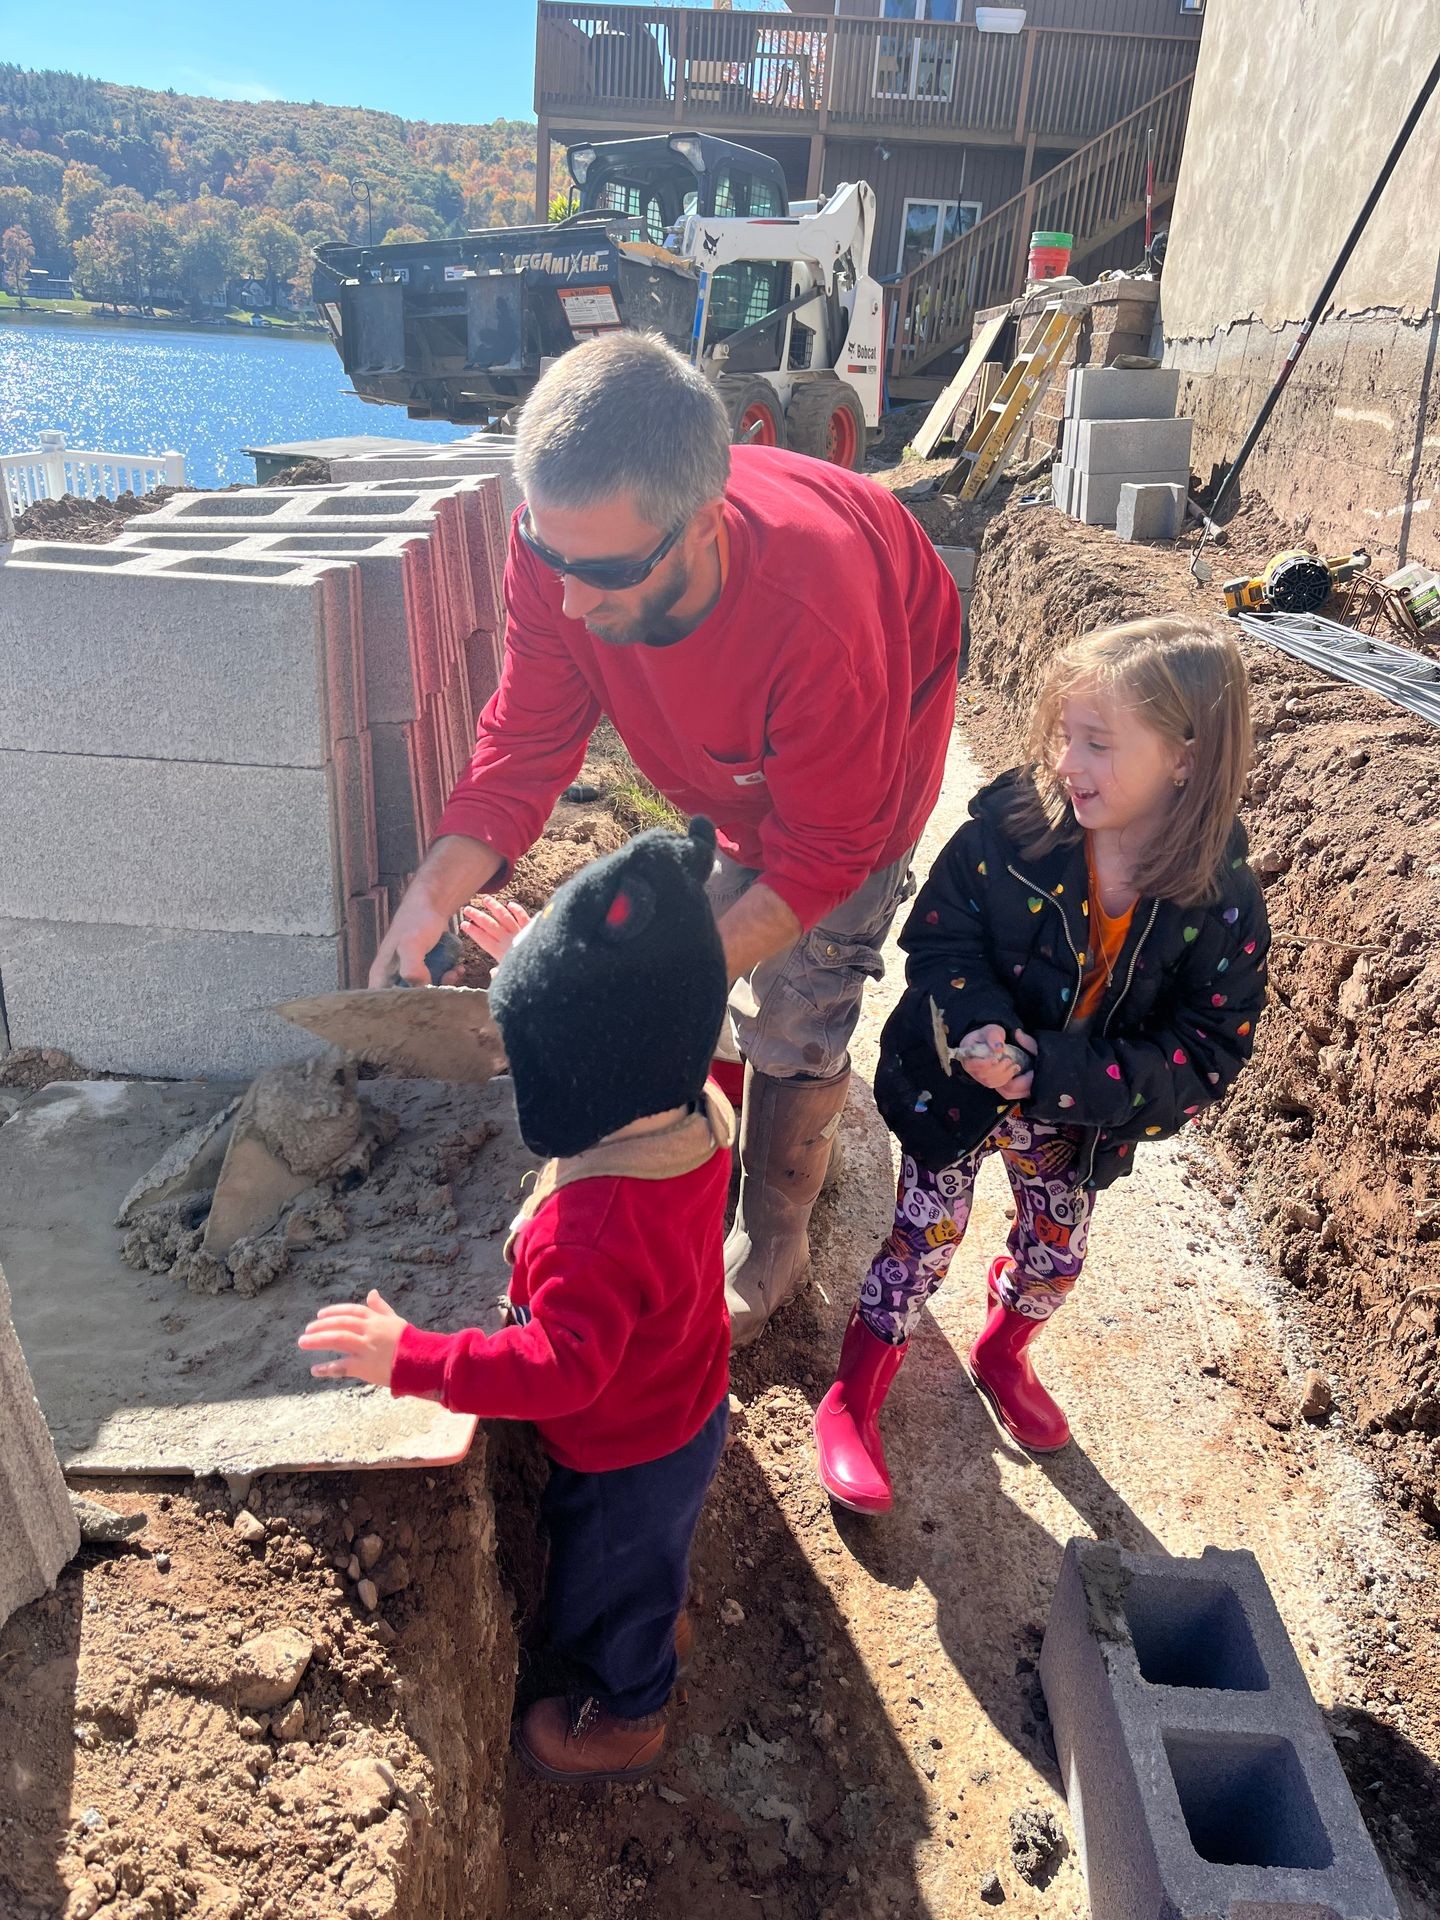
(848,1450)
(729,1076)
(1001,1372)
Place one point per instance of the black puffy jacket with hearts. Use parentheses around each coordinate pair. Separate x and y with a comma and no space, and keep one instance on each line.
(999,937)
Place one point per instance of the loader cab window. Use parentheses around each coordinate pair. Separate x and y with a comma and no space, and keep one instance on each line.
(741,195)
(740,295)
(639,202)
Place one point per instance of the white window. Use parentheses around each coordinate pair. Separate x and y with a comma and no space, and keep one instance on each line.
(1192,6)
(916,66)
(929,225)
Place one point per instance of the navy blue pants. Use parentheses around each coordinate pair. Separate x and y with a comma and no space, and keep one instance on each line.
(620,1567)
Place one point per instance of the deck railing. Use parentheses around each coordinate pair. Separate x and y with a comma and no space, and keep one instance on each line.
(1094,195)
(672,66)
(53,469)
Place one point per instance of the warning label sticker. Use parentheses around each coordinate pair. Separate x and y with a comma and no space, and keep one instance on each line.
(589,307)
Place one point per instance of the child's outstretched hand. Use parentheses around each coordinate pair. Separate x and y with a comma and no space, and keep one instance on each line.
(494,924)
(366,1336)
(993,1062)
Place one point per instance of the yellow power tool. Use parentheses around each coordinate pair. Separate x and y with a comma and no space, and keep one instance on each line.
(1294,582)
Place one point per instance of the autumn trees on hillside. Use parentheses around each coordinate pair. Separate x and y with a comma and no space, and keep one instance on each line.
(152,198)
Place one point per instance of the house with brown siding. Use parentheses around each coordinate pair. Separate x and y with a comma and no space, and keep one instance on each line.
(975,125)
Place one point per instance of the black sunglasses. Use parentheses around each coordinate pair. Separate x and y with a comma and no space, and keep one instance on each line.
(607,575)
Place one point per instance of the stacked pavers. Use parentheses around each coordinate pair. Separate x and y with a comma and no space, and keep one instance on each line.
(1199,1773)
(224,742)
(1120,429)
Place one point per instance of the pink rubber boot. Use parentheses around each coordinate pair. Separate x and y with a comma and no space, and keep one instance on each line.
(1000,1369)
(848,1449)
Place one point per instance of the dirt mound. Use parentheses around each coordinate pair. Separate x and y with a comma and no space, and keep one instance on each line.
(1336,1128)
(209,1721)
(91,522)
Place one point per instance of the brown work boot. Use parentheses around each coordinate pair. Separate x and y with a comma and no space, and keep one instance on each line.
(578,1740)
(785,1140)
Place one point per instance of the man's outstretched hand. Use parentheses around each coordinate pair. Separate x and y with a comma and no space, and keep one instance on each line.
(364,1336)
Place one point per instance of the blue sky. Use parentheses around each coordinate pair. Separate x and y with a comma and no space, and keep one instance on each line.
(463,60)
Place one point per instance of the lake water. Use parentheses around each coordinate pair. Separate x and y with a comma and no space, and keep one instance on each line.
(206,395)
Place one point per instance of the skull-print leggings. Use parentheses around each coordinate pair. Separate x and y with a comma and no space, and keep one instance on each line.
(932,1210)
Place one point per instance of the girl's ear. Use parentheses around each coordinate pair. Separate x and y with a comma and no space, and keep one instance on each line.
(1184,764)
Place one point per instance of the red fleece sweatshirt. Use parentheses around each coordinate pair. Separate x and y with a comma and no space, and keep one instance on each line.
(626,1351)
(807,715)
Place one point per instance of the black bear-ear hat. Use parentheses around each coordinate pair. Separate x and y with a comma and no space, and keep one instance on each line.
(611,1000)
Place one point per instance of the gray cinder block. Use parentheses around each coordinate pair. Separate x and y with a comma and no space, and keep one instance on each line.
(1199,1773)
(1062,485)
(38,1531)
(1150,512)
(1118,393)
(1095,497)
(188,845)
(960,564)
(143,655)
(160,1002)
(1132,446)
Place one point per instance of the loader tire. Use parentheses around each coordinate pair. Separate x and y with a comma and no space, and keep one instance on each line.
(754,410)
(826,420)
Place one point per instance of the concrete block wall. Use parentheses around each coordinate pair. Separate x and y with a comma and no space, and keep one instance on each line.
(1119,429)
(39,1530)
(1117,318)
(1200,1777)
(218,806)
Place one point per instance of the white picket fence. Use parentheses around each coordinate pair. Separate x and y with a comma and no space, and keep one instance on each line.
(53,469)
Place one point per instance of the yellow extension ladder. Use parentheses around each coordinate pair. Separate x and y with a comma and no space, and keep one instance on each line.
(1025,380)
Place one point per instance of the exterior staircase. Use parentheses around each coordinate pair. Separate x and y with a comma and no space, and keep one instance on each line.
(1094,194)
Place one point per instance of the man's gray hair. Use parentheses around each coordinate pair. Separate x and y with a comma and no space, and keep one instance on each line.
(624,414)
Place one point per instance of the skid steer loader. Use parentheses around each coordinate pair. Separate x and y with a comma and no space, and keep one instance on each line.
(685,235)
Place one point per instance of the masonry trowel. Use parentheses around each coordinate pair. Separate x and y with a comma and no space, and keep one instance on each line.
(428,1033)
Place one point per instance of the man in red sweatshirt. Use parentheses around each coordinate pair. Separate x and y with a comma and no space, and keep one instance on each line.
(775,640)
(618,1348)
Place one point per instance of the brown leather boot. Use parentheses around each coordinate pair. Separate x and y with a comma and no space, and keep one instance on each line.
(785,1139)
(578,1740)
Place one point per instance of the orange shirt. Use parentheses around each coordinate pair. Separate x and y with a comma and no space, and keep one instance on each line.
(1107,937)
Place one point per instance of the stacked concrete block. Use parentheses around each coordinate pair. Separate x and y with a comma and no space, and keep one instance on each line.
(1119,430)
(225,741)
(39,1531)
(1199,1773)
(434,466)
(431,560)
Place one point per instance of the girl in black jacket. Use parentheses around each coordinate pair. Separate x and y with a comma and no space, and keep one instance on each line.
(1086,966)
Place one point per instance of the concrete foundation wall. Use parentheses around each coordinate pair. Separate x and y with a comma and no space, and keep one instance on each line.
(1288,130)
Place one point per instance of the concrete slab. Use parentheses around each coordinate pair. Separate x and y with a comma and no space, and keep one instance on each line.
(1199,1773)
(39,1530)
(1150,513)
(1132,446)
(1119,393)
(137,1375)
(143,655)
(161,1000)
(131,842)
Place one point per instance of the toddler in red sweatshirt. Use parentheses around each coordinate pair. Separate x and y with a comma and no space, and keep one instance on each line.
(618,1348)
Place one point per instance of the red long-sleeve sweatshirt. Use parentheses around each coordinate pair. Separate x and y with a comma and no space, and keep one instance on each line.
(807,715)
(625,1350)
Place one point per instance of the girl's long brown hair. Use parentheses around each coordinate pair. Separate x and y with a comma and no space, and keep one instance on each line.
(1184,679)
